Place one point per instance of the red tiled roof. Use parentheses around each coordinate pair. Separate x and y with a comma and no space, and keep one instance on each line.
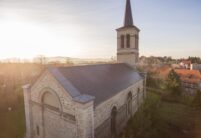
(190,76)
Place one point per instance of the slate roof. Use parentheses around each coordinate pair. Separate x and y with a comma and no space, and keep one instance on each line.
(84,83)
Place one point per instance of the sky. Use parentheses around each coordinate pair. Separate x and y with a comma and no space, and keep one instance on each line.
(86,28)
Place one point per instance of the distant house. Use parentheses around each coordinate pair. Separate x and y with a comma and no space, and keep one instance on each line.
(190,79)
(175,66)
(185,64)
(195,66)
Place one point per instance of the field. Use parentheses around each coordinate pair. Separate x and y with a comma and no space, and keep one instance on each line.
(12,123)
(161,119)
(12,77)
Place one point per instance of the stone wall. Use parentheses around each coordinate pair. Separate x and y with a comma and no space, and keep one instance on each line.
(132,32)
(102,115)
(128,55)
(130,59)
(69,119)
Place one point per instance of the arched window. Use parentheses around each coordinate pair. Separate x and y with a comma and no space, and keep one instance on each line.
(51,101)
(37,130)
(122,41)
(128,41)
(138,96)
(113,121)
(144,88)
(129,103)
(136,41)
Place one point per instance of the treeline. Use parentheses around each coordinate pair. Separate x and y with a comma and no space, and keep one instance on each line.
(157,60)
(12,77)
(167,60)
(195,60)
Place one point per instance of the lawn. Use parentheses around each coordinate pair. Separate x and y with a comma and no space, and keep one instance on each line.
(157,118)
(12,123)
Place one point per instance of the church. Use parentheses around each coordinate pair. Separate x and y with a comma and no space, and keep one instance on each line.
(89,101)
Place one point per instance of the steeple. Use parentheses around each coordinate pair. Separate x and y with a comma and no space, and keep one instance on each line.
(128,39)
(128,19)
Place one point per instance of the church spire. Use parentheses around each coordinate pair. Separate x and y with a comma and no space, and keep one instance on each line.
(128,19)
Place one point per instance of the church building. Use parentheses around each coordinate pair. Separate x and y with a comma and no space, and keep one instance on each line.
(90,101)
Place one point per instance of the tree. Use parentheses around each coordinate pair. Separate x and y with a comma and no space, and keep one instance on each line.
(69,62)
(195,59)
(173,83)
(42,60)
(151,82)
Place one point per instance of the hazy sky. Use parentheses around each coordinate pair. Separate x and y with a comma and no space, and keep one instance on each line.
(86,28)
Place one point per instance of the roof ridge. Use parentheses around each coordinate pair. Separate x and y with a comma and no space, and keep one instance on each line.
(90,65)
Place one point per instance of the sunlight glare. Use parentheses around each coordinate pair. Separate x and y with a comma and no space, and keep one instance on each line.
(27,40)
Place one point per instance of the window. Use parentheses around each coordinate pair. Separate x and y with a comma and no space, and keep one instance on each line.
(51,101)
(129,104)
(138,96)
(128,41)
(113,121)
(122,41)
(37,130)
(136,41)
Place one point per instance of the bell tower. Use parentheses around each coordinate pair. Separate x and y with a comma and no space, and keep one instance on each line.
(128,39)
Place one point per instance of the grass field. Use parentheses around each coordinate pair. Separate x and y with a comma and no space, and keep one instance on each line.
(160,119)
(12,123)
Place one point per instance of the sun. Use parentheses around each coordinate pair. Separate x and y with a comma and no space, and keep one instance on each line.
(24,39)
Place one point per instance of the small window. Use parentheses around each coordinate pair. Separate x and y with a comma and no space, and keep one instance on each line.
(138,96)
(113,121)
(128,41)
(129,104)
(37,130)
(136,41)
(122,41)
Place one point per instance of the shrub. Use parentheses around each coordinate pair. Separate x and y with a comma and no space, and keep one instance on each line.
(197,100)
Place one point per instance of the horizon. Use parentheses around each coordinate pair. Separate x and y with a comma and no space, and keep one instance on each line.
(78,29)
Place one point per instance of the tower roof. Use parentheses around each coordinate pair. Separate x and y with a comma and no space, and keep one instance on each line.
(128,19)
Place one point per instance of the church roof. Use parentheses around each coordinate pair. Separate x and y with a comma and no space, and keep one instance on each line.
(98,82)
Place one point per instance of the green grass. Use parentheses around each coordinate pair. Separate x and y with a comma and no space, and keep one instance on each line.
(161,119)
(12,123)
